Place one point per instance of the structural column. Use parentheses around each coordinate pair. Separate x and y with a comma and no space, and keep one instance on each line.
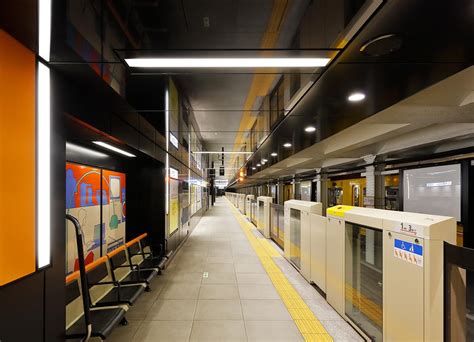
(321,189)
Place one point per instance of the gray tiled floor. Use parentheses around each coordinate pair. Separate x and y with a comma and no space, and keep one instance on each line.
(216,289)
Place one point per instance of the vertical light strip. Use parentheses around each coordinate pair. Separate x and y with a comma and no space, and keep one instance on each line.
(189,164)
(167,166)
(44,29)
(43,164)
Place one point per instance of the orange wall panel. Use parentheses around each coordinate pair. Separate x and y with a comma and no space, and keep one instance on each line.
(17,160)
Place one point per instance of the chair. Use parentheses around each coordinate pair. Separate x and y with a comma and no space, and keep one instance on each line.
(124,272)
(84,322)
(104,291)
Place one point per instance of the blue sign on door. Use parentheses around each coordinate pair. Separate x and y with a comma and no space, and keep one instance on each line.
(409,247)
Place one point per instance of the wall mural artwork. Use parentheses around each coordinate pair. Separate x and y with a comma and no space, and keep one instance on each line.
(113,208)
(83,190)
(102,218)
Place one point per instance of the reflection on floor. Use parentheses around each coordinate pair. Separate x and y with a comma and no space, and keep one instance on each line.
(217,289)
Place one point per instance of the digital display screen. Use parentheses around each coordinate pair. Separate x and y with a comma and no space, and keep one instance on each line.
(433,190)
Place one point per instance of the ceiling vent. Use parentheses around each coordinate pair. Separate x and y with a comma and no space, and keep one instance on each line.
(382,45)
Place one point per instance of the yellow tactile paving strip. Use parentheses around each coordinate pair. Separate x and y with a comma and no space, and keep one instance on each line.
(365,305)
(309,326)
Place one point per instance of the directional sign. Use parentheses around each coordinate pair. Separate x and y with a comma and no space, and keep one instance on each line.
(408,252)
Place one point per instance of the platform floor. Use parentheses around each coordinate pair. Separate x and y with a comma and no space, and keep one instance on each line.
(217,288)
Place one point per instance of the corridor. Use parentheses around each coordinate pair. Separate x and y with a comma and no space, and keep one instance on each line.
(217,288)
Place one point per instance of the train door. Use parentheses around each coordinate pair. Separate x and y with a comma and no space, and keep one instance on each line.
(287,192)
(356,195)
(305,190)
(335,193)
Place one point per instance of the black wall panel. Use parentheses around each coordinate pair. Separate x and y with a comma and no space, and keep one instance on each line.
(21,310)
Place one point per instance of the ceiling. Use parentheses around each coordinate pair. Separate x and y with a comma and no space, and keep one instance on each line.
(435,120)
(219,100)
(434,48)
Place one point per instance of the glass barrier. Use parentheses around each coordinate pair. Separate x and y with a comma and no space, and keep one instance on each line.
(261,213)
(295,237)
(253,215)
(364,273)
(458,293)
(277,224)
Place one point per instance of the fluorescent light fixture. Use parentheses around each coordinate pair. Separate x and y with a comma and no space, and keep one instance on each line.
(44,29)
(194,63)
(167,160)
(259,165)
(356,97)
(264,160)
(113,148)
(287,145)
(274,154)
(436,184)
(43,162)
(254,168)
(310,129)
(220,152)
(84,150)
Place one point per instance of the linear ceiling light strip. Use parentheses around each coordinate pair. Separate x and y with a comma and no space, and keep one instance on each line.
(193,63)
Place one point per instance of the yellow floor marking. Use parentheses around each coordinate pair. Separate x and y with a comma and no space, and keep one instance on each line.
(309,326)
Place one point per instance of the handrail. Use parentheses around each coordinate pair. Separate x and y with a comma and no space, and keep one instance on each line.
(75,275)
(116,251)
(134,241)
(82,274)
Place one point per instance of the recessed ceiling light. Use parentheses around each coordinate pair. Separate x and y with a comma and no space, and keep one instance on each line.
(192,63)
(254,168)
(286,145)
(310,129)
(274,154)
(259,165)
(113,148)
(264,160)
(356,97)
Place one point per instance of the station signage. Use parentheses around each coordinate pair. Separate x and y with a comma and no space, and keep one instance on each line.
(174,140)
(174,173)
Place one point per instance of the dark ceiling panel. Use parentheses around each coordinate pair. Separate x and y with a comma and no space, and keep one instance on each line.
(434,47)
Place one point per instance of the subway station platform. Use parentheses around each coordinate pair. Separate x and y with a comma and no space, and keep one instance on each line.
(228,283)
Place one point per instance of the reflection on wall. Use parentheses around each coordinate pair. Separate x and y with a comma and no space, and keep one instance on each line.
(85,36)
(100,208)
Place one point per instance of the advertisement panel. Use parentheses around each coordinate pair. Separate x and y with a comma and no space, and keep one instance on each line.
(174,206)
